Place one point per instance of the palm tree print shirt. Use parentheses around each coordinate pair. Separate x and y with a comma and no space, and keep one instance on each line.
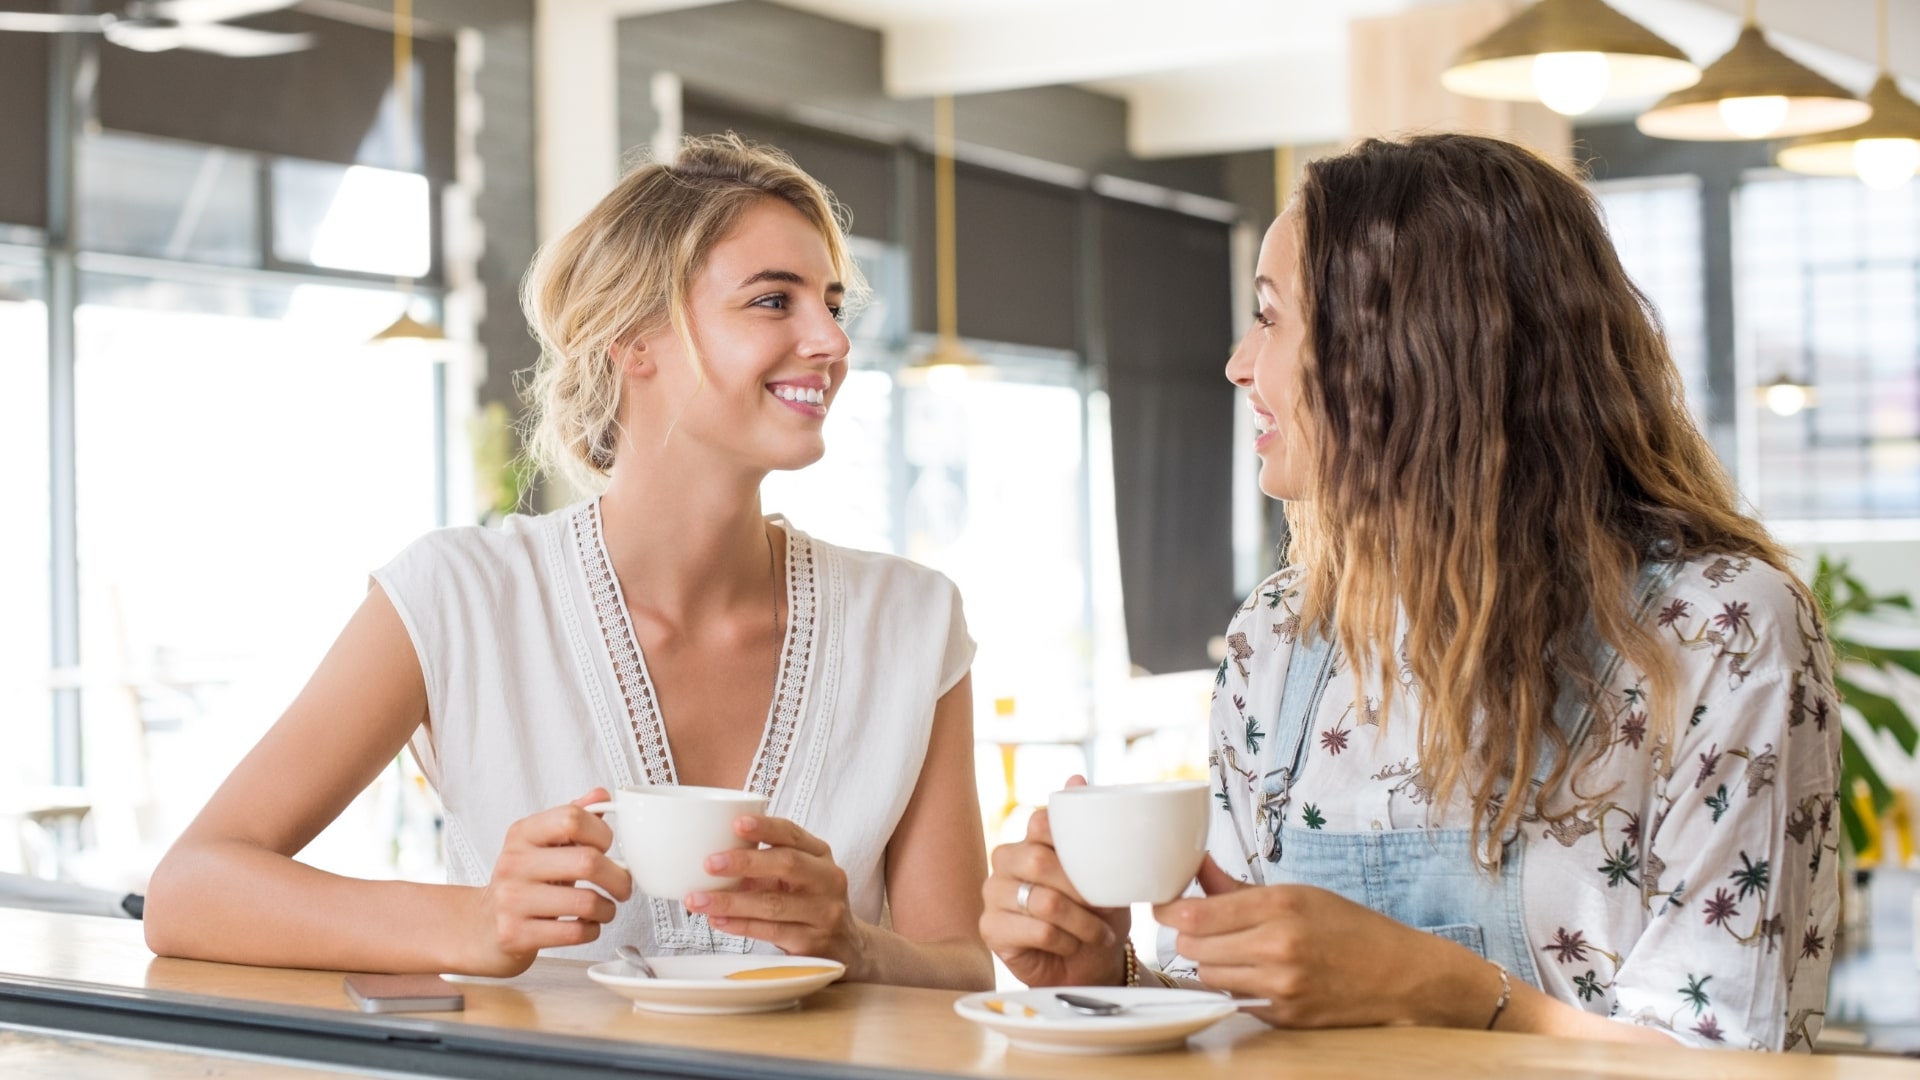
(1691,882)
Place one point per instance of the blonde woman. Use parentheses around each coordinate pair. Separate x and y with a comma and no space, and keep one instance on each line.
(1538,732)
(661,632)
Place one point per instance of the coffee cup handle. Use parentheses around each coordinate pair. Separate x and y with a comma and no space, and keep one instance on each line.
(607,808)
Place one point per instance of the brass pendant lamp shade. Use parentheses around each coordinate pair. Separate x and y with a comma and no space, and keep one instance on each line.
(950,361)
(1884,152)
(1620,58)
(1755,91)
(406,327)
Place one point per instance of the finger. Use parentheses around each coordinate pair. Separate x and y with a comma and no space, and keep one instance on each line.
(1036,863)
(1050,906)
(534,934)
(1008,932)
(1076,780)
(1215,881)
(598,794)
(773,907)
(775,866)
(560,826)
(787,936)
(537,901)
(565,866)
(1040,828)
(780,832)
(1230,912)
(1269,945)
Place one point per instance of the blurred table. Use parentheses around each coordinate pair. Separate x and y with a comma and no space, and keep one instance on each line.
(94,977)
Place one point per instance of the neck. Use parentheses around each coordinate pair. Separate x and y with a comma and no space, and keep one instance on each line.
(686,541)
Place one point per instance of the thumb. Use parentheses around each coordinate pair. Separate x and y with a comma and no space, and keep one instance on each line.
(1076,780)
(1215,881)
(598,794)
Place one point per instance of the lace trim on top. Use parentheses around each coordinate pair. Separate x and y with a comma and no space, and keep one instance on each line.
(643,708)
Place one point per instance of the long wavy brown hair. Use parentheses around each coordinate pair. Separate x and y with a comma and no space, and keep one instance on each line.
(1503,441)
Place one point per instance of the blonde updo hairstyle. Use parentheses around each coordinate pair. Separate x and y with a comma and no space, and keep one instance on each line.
(625,272)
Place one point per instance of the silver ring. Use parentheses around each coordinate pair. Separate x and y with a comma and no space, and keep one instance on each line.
(1020,896)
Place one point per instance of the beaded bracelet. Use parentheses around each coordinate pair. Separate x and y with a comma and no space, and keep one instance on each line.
(1506,995)
(1132,963)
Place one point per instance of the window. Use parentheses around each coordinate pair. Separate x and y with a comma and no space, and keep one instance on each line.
(26,729)
(351,217)
(1655,225)
(244,461)
(168,200)
(1827,277)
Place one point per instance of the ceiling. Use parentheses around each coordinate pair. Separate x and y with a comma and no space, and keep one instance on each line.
(1212,76)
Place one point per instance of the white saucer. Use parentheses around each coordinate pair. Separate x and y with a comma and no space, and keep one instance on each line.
(1052,1028)
(698,985)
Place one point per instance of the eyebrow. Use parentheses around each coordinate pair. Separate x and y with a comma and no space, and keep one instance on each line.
(787,277)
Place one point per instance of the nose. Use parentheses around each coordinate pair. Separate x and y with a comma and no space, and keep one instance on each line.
(824,339)
(1240,362)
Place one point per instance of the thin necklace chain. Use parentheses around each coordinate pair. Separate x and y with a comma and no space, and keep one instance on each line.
(774,573)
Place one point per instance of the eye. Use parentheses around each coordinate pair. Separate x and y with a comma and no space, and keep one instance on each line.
(1260,319)
(771,301)
(839,313)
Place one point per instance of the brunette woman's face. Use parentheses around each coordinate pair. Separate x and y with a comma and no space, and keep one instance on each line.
(1270,363)
(765,314)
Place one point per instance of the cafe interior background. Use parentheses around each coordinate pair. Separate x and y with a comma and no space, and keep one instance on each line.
(259,329)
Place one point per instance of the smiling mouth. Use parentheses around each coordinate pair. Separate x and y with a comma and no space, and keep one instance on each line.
(1264,424)
(802,395)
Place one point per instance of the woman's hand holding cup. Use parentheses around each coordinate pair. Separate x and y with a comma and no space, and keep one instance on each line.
(536,898)
(791,893)
(1037,922)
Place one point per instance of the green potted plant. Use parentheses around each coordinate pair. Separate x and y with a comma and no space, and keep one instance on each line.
(1845,599)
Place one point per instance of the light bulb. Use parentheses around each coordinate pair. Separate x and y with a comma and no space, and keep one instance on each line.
(1786,398)
(1570,83)
(1753,117)
(947,378)
(1885,164)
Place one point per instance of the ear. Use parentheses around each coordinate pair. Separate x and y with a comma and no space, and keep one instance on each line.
(631,355)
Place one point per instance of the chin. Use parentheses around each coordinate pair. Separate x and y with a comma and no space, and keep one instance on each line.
(795,458)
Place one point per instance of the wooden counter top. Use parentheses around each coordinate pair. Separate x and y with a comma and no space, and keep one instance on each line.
(50,963)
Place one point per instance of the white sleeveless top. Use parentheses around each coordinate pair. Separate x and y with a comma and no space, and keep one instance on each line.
(537,693)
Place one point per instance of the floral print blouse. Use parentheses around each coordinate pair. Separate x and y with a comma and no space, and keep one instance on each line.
(1693,887)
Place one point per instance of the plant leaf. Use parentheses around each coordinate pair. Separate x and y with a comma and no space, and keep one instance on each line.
(1883,713)
(1854,764)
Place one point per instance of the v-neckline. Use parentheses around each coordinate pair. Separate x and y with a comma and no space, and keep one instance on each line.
(635,684)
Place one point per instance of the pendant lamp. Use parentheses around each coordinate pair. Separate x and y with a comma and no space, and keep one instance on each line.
(406,327)
(950,361)
(1755,91)
(1883,152)
(1569,55)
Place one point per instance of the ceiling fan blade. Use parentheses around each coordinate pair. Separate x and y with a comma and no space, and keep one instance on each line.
(209,11)
(239,41)
(142,37)
(38,23)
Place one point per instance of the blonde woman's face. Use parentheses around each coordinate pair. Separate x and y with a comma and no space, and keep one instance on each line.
(765,317)
(1269,362)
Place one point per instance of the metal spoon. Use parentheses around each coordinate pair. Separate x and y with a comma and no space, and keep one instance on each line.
(636,960)
(1093,1006)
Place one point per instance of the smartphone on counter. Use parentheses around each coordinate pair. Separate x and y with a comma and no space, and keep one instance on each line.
(404,993)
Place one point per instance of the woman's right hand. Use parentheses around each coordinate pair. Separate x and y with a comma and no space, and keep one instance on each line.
(1057,939)
(535,887)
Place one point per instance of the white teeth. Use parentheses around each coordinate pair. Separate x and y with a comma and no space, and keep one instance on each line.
(801,394)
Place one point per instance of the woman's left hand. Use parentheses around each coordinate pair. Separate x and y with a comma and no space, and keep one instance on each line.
(1325,961)
(791,893)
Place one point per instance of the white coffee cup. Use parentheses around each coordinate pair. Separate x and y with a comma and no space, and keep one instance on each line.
(1125,844)
(665,833)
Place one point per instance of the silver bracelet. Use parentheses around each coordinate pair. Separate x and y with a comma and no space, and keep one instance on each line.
(1506,994)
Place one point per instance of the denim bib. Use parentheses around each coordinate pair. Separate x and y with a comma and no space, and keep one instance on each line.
(1424,878)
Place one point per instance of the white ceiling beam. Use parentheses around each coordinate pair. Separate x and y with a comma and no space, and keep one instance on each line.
(1252,105)
(964,54)
(576,101)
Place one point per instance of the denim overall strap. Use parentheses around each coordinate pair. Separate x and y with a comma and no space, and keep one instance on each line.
(1572,713)
(1425,878)
(1308,673)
